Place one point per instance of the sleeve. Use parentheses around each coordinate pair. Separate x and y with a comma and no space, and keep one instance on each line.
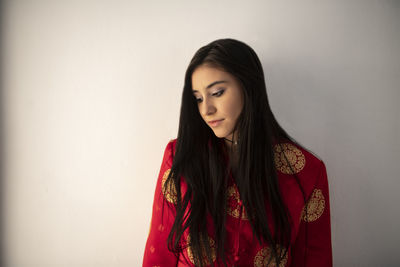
(156,251)
(313,245)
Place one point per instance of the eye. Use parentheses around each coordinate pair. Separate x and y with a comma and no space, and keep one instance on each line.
(219,93)
(198,100)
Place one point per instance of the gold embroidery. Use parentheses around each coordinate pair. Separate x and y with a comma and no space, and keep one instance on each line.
(213,251)
(233,206)
(315,206)
(293,154)
(169,190)
(262,258)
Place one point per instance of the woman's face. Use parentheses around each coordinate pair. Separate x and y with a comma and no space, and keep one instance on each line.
(219,99)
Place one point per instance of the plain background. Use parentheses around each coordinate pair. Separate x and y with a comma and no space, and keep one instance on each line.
(91,95)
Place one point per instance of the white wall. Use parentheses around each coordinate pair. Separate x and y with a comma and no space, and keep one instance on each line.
(91,96)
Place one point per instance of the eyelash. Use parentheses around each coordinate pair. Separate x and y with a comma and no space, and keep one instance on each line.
(216,94)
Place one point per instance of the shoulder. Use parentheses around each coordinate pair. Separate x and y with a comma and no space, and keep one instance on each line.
(171,192)
(171,146)
(291,158)
(169,152)
(172,143)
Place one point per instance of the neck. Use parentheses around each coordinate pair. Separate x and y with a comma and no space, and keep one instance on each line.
(230,143)
(232,149)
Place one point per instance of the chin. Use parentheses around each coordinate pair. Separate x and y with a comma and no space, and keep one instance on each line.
(221,134)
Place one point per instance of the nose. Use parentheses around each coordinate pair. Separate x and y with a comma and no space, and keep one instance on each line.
(207,108)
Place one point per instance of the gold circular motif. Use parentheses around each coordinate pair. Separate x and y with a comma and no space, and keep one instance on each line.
(315,206)
(262,258)
(294,155)
(169,190)
(213,251)
(233,206)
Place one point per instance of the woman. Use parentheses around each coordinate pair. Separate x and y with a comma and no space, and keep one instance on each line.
(234,189)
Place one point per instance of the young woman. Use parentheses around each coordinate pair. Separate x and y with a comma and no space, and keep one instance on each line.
(234,189)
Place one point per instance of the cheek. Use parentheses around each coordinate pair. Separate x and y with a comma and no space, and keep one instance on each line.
(234,110)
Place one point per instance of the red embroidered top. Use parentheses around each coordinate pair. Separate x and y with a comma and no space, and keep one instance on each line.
(244,250)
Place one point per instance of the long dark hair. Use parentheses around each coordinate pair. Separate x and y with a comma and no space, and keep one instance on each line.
(200,159)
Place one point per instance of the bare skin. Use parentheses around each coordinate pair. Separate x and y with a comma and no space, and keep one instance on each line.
(219,98)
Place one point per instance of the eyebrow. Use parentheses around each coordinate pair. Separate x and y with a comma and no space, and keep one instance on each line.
(211,85)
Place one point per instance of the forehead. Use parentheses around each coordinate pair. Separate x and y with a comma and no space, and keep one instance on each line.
(205,75)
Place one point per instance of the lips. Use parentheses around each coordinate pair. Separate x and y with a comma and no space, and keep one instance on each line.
(215,123)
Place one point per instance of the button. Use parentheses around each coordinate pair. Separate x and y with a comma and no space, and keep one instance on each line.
(236,258)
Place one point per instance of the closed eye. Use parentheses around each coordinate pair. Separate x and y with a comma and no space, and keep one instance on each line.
(219,93)
(216,94)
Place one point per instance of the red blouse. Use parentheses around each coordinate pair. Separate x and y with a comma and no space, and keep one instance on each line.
(244,250)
